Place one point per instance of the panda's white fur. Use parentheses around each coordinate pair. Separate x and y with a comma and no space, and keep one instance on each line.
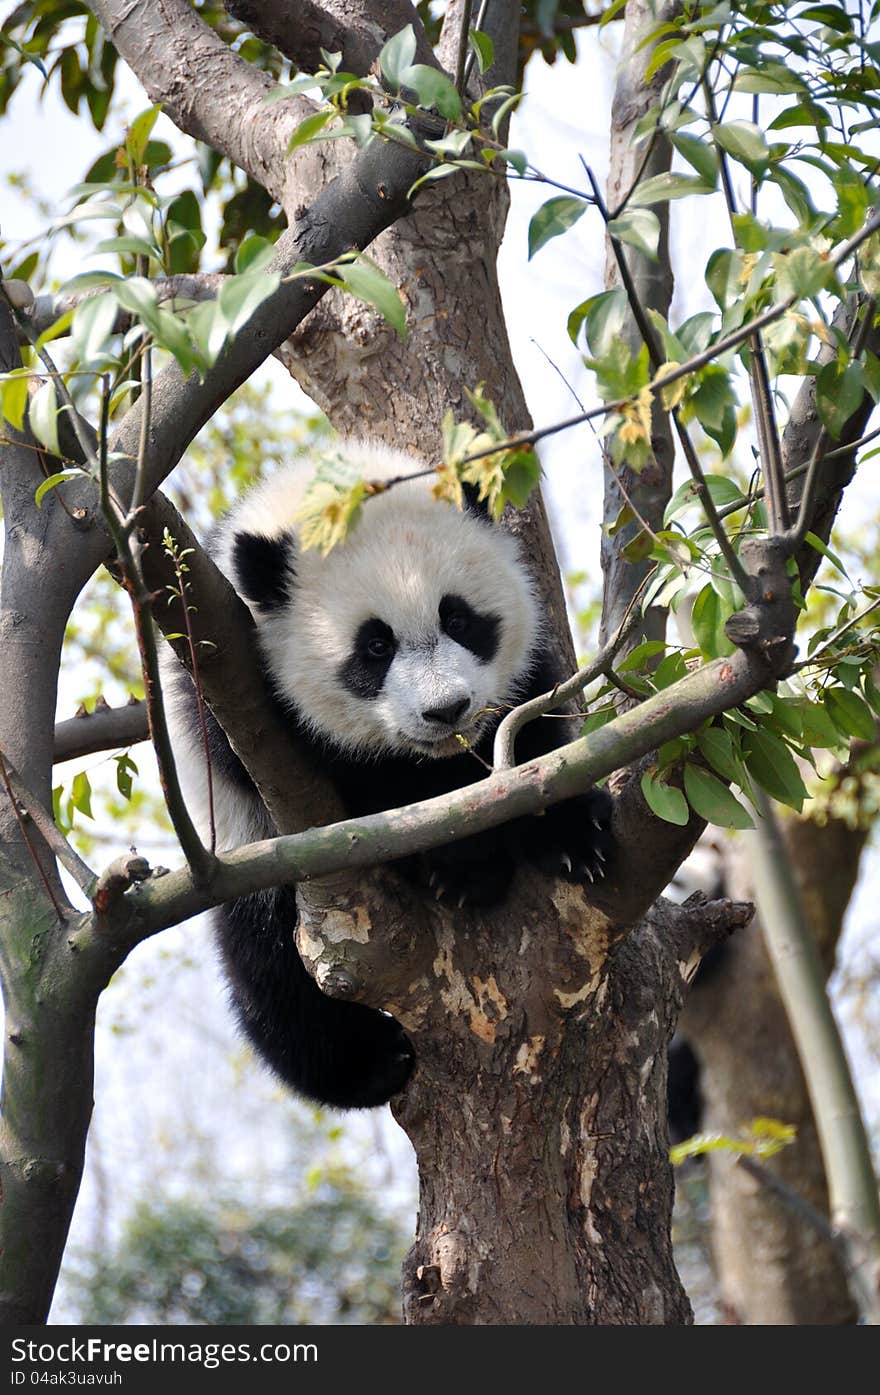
(406,552)
(385,735)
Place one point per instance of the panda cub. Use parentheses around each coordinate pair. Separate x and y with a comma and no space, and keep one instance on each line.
(420,629)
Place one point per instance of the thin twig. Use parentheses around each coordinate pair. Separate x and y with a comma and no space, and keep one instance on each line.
(657,358)
(471,58)
(792,1200)
(505,737)
(46,826)
(199,858)
(461,59)
(146,395)
(32,852)
(795,536)
(179,569)
(759,379)
(33,339)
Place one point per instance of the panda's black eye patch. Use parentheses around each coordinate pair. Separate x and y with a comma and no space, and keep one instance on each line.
(470,628)
(363,672)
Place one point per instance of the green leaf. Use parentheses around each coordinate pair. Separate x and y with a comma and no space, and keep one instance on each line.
(712,800)
(139,133)
(699,154)
(483,47)
(43,416)
(50,483)
(716,745)
(368,283)
(396,56)
(310,128)
(667,802)
(81,794)
(14,396)
(850,713)
(708,618)
(240,295)
(662,187)
(638,227)
(818,727)
(744,141)
(770,762)
(838,395)
(552,218)
(722,491)
(434,90)
(253,254)
(137,246)
(92,326)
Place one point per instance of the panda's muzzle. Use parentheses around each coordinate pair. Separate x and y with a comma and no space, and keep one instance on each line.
(448,716)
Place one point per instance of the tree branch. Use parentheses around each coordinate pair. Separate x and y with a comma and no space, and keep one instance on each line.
(105,729)
(301,28)
(209,92)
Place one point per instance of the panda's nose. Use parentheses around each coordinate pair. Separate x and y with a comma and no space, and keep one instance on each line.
(448,715)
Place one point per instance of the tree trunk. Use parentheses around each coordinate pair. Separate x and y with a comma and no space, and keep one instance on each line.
(773,1267)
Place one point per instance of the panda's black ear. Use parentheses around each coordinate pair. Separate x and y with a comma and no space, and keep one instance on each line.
(264,569)
(473,504)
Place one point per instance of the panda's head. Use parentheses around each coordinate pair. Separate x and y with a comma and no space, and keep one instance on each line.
(414,631)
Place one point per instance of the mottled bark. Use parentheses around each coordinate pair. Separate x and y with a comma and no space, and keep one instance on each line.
(648,490)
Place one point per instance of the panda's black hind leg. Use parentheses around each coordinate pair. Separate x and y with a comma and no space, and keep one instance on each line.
(334,1052)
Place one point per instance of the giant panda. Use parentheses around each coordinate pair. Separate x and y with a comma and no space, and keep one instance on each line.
(394,657)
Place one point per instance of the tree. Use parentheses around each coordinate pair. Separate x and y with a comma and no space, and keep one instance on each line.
(538,1109)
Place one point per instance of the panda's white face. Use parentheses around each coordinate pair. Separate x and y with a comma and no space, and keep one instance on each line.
(411,633)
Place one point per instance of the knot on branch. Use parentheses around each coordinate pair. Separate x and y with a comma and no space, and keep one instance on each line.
(699,923)
(123,872)
(766,623)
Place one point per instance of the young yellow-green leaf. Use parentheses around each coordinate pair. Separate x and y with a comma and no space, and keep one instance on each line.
(14,396)
(667,802)
(310,128)
(368,283)
(81,794)
(138,134)
(712,800)
(50,483)
(552,218)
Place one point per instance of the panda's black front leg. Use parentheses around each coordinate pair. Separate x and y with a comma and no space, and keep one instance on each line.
(475,871)
(573,839)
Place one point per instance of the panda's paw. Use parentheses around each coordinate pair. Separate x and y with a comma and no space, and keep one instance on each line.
(573,840)
(462,879)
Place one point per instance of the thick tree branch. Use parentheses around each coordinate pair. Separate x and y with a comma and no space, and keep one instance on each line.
(105,729)
(355,28)
(208,90)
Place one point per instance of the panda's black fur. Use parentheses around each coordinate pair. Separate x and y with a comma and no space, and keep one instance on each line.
(421,624)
